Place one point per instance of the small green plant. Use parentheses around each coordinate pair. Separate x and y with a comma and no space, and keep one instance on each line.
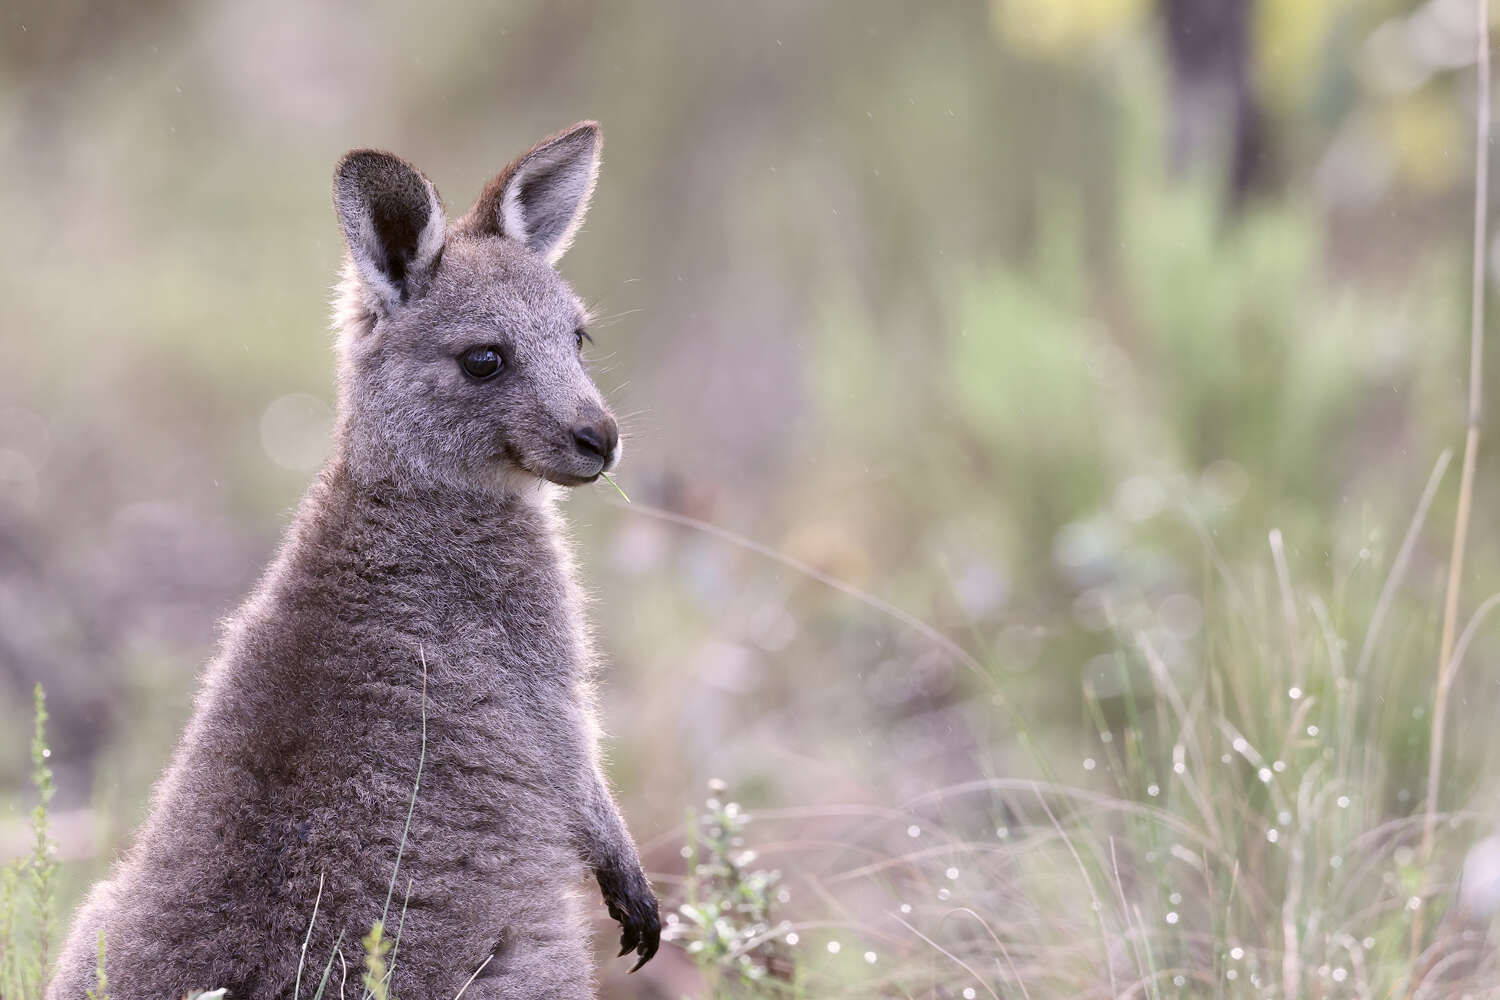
(28,885)
(376,948)
(43,860)
(101,991)
(726,919)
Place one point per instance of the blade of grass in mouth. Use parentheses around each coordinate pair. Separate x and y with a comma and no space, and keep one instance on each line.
(611,480)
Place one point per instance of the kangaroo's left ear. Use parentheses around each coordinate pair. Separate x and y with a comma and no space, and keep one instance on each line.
(539,200)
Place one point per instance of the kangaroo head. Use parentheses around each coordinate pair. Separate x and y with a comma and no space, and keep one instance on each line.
(460,348)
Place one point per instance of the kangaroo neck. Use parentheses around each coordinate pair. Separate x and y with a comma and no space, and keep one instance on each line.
(433,529)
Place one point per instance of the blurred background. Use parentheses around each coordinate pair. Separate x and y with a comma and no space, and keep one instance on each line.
(1023,323)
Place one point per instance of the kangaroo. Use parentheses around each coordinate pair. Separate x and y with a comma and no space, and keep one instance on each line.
(421,614)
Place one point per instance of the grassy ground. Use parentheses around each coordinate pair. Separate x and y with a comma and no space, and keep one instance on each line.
(1245,824)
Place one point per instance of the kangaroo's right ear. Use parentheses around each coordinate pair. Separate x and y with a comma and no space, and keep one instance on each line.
(540,198)
(392,220)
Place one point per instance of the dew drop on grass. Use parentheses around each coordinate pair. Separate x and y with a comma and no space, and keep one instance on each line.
(1179,768)
(792,937)
(1336,862)
(1179,980)
(969,993)
(944,895)
(46,752)
(1264,774)
(1294,693)
(1340,974)
(1153,790)
(914,831)
(1106,737)
(952,874)
(1278,766)
(834,947)
(1284,818)
(1226,759)
(1368,942)
(1240,744)
(1003,832)
(1312,730)
(1273,835)
(1232,974)
(1343,802)
(1171,916)
(1175,898)
(1414,903)
(1088,763)
(871,957)
(1236,953)
(905,907)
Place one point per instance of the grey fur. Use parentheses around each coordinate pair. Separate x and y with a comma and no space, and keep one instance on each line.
(429,536)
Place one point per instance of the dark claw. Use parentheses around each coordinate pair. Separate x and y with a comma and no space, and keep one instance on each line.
(648,949)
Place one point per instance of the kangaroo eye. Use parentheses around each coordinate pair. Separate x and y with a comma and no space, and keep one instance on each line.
(581,335)
(481,362)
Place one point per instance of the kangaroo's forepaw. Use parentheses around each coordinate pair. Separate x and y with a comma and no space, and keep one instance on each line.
(633,905)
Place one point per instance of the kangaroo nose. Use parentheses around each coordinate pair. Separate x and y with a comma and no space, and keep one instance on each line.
(597,439)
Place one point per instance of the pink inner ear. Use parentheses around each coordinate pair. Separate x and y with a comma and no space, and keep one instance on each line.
(540,197)
(549,195)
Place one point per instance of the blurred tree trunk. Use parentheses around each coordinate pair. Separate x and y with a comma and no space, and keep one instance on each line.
(1215,115)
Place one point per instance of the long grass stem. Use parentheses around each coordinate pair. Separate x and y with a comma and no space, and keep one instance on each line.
(1471,445)
(1475,413)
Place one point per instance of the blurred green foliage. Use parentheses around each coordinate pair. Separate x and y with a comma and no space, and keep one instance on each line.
(912,296)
